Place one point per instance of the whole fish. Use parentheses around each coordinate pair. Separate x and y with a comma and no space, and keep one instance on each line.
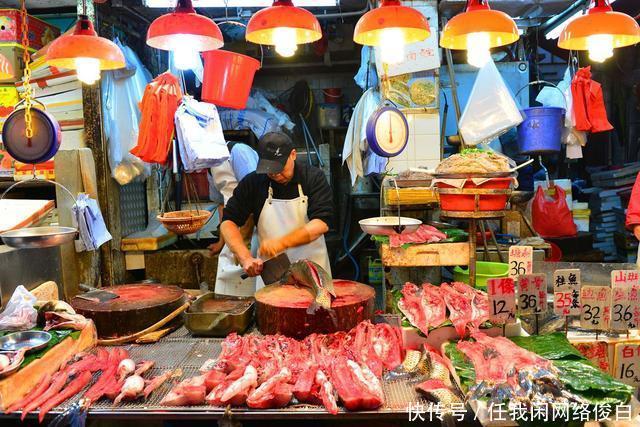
(63,320)
(310,275)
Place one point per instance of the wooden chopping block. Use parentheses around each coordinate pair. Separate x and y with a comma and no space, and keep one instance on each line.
(16,386)
(137,307)
(282,309)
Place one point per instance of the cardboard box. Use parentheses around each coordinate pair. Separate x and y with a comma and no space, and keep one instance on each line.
(13,53)
(40,33)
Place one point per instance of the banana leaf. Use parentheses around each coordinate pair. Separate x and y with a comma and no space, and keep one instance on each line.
(552,346)
(56,337)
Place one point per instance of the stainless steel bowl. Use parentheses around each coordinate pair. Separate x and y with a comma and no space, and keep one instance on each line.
(28,340)
(389,225)
(38,237)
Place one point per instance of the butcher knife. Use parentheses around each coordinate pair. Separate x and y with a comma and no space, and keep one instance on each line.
(95,294)
(273,269)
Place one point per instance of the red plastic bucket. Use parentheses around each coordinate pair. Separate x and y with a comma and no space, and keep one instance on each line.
(228,77)
(332,95)
(466,202)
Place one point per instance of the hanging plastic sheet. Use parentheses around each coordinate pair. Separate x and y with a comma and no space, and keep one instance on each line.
(588,103)
(87,218)
(122,90)
(367,75)
(491,109)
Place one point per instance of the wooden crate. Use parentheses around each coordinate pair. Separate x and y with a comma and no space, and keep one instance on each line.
(428,255)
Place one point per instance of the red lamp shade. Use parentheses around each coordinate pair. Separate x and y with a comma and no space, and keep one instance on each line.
(391,15)
(299,24)
(84,43)
(184,27)
(620,29)
(6,69)
(478,18)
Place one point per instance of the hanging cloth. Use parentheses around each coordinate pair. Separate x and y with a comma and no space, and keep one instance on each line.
(158,107)
(588,103)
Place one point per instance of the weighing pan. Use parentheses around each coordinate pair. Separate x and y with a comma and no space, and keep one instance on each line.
(38,237)
(46,140)
(28,340)
(388,225)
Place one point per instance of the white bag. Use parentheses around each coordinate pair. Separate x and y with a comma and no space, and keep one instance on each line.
(491,110)
(19,315)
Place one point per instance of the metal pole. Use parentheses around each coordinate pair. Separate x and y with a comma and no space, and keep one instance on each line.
(454,89)
(472,252)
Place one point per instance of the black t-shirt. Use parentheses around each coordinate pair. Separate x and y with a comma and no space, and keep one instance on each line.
(251,193)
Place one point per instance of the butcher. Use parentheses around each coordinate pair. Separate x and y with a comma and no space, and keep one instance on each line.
(291,204)
(633,214)
(223,179)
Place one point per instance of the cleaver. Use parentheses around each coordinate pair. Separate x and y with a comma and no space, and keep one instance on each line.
(273,269)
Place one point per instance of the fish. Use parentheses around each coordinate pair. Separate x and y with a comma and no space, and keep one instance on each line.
(72,388)
(64,320)
(154,383)
(308,274)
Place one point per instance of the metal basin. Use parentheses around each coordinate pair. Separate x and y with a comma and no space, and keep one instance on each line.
(214,315)
(38,237)
(389,225)
(28,340)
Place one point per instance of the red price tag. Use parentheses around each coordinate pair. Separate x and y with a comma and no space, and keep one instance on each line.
(595,313)
(627,366)
(520,261)
(502,300)
(566,292)
(532,294)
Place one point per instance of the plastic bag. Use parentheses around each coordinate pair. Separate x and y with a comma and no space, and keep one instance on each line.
(551,216)
(491,110)
(19,314)
(588,103)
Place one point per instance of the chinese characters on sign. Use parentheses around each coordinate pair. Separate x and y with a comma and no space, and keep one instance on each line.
(627,368)
(502,300)
(532,294)
(566,292)
(520,261)
(625,307)
(595,313)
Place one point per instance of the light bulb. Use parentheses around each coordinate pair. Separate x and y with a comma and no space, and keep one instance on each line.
(600,47)
(285,41)
(392,43)
(88,70)
(478,45)
(185,58)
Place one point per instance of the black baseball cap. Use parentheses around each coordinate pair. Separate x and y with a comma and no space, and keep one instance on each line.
(274,149)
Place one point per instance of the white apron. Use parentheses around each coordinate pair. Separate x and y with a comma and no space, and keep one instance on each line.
(280,217)
(228,280)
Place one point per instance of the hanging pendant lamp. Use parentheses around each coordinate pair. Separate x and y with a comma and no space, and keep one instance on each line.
(185,33)
(391,26)
(478,29)
(600,31)
(284,26)
(85,52)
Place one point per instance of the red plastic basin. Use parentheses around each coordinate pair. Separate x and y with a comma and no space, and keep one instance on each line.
(466,202)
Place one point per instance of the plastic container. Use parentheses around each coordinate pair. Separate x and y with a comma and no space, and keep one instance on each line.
(332,95)
(466,202)
(484,271)
(228,77)
(329,115)
(541,130)
(565,184)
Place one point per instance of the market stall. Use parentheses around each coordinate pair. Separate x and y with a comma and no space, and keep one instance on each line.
(256,212)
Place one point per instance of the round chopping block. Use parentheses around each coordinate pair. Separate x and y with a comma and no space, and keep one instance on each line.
(282,309)
(137,307)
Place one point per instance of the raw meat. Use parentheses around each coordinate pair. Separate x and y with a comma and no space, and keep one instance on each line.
(424,234)
(59,380)
(487,362)
(460,308)
(326,392)
(191,391)
(43,385)
(433,305)
(238,391)
(154,383)
(69,391)
(303,387)
(353,387)
(479,304)
(515,355)
(411,306)
(276,392)
(143,367)
(131,390)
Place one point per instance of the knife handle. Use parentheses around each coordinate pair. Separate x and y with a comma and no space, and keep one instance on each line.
(244,276)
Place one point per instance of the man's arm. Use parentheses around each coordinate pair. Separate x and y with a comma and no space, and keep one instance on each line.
(215,248)
(301,236)
(233,238)
(633,210)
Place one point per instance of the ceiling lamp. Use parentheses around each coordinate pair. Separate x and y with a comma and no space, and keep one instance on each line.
(478,29)
(600,31)
(391,26)
(85,52)
(185,33)
(284,26)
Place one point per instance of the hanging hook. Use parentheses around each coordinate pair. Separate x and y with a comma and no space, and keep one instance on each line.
(546,171)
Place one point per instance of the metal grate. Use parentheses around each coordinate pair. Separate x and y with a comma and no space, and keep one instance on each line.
(133,207)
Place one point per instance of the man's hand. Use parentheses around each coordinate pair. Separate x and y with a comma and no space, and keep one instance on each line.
(216,248)
(252,266)
(636,231)
(272,247)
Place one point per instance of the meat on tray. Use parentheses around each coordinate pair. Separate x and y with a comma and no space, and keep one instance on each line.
(429,306)
(424,234)
(270,371)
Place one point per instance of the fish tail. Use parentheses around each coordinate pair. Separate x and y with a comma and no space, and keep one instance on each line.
(323,298)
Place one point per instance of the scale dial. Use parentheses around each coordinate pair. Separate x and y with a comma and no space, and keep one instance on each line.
(387,132)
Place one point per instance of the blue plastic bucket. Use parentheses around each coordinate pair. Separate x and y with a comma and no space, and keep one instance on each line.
(541,130)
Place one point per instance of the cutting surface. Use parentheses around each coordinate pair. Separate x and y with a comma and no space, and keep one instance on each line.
(22,213)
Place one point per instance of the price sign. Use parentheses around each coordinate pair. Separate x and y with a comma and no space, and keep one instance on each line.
(624,278)
(627,368)
(566,292)
(625,310)
(532,294)
(502,300)
(595,313)
(520,261)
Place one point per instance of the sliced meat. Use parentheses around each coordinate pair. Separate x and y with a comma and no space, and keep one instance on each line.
(433,305)
(326,392)
(424,234)
(353,392)
(42,386)
(488,364)
(59,380)
(74,387)
(411,306)
(190,391)
(276,392)
(154,383)
(213,378)
(386,342)
(238,391)
(460,308)
(304,385)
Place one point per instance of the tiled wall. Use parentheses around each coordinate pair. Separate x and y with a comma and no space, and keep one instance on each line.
(423,148)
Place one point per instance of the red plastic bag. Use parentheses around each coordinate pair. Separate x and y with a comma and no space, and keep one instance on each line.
(551,216)
(588,103)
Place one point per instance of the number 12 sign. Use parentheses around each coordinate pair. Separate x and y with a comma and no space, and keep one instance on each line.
(502,300)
